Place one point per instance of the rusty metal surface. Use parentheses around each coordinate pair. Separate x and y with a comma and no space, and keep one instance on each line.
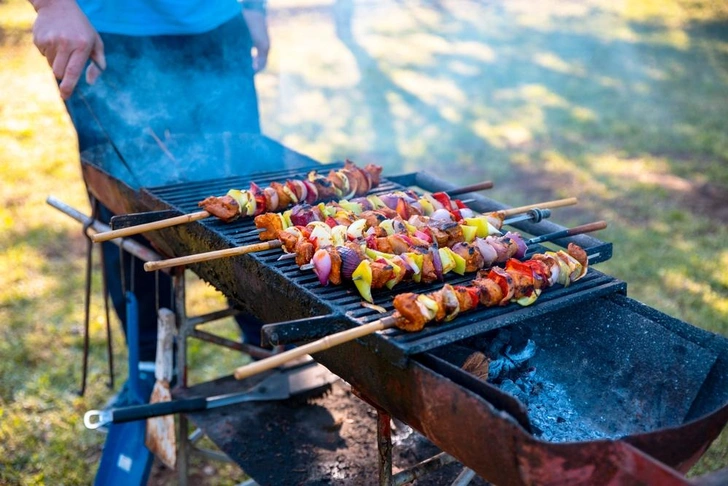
(498,449)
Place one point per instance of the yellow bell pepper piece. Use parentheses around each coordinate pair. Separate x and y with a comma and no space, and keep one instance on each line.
(469,232)
(362,277)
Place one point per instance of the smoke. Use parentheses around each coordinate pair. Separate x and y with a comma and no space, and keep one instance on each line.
(175,107)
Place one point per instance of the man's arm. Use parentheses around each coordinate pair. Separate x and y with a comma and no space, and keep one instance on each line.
(66,38)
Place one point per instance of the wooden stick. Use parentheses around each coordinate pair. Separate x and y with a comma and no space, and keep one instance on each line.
(313,347)
(143,228)
(212,255)
(558,203)
(480,186)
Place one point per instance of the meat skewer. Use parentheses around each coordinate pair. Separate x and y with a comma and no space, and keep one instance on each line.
(369,269)
(350,181)
(387,206)
(413,311)
(244,250)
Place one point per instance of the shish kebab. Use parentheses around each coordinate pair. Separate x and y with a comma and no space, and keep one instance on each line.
(519,282)
(349,181)
(270,223)
(385,229)
(371,269)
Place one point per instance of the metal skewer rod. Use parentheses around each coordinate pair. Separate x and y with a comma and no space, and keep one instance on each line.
(335,339)
(188,218)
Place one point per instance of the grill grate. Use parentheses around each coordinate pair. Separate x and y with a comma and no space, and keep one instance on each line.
(344,301)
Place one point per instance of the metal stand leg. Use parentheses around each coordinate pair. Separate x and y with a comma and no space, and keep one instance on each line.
(183,448)
(384,445)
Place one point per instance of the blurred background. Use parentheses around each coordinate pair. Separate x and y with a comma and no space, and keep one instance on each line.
(621,104)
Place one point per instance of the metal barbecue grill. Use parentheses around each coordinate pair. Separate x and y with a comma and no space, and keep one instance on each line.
(675,373)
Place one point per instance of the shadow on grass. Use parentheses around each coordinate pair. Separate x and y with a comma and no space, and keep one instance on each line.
(629,116)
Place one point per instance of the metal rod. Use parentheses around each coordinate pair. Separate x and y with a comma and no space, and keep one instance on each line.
(424,468)
(464,478)
(87,316)
(107,315)
(180,310)
(212,316)
(384,447)
(130,246)
(253,351)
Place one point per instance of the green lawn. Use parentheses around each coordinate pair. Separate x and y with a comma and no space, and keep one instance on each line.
(622,106)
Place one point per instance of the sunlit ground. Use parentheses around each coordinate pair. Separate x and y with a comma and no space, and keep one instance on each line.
(620,104)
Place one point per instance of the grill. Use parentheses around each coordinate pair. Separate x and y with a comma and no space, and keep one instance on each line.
(591,339)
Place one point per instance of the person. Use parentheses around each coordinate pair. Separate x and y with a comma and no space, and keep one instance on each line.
(141,66)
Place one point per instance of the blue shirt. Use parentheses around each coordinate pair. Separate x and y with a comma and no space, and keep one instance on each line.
(158,17)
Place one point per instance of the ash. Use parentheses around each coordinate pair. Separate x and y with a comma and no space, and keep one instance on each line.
(550,409)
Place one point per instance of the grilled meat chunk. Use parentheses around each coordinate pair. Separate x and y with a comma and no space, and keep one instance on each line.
(226,207)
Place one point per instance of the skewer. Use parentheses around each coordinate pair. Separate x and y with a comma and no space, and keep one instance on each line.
(243,250)
(357,332)
(314,347)
(212,255)
(196,216)
(537,215)
(154,225)
(557,203)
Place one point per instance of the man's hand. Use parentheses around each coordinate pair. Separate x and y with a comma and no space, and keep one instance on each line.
(63,34)
(258,27)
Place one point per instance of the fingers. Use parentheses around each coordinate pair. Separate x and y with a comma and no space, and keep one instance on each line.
(97,53)
(59,63)
(92,73)
(95,69)
(72,73)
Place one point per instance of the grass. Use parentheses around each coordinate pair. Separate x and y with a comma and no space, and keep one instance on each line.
(624,107)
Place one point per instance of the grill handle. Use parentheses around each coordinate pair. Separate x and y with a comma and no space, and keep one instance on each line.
(300,330)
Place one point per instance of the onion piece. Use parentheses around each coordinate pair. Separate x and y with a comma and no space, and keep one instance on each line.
(518,239)
(322,265)
(437,263)
(350,259)
(442,215)
(487,251)
(312,193)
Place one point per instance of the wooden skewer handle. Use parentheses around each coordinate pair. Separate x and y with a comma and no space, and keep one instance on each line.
(480,186)
(212,255)
(587,228)
(558,203)
(143,228)
(313,347)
